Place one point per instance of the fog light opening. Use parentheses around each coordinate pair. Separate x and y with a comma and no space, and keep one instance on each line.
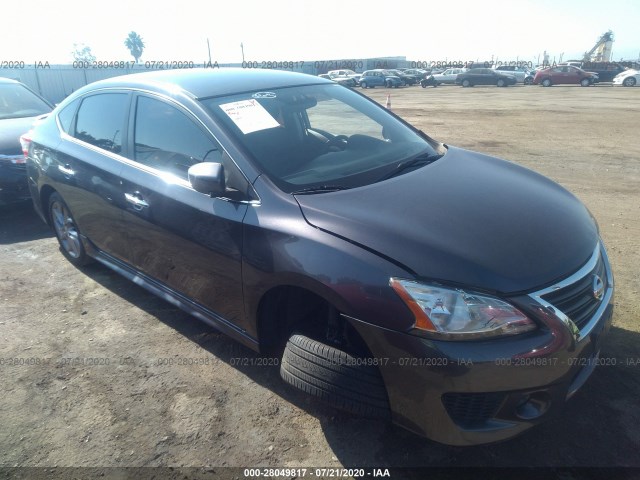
(533,405)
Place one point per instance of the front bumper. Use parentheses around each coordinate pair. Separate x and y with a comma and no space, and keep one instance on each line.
(13,182)
(474,392)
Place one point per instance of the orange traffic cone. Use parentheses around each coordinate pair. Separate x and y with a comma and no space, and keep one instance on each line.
(388,101)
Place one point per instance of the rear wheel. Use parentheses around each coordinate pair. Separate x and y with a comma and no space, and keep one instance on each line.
(585,82)
(501,83)
(629,82)
(466,83)
(342,380)
(546,82)
(66,231)
(363,84)
(528,81)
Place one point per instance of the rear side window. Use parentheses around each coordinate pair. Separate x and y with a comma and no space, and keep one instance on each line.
(66,116)
(100,120)
(166,139)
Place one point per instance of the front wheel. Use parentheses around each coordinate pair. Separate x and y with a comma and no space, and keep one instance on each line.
(67,231)
(466,83)
(388,84)
(528,81)
(629,82)
(350,383)
(363,84)
(546,82)
(501,83)
(585,82)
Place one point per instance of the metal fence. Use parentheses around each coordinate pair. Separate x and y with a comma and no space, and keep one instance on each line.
(55,82)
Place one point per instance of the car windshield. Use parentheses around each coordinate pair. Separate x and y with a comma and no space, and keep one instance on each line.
(16,101)
(319,136)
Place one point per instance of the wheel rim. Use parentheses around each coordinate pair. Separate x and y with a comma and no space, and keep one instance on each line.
(66,230)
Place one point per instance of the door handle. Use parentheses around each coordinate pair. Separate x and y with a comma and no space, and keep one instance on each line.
(136,200)
(66,170)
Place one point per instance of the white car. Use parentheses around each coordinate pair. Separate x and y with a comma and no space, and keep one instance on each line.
(449,75)
(628,78)
(345,73)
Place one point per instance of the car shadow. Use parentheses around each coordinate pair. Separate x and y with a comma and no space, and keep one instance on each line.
(596,427)
(19,222)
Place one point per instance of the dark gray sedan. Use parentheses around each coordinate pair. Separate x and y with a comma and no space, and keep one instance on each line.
(484,76)
(462,296)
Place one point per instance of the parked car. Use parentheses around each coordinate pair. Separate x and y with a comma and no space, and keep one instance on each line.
(19,108)
(388,273)
(449,75)
(606,71)
(564,75)
(419,73)
(343,73)
(342,80)
(517,71)
(407,79)
(484,76)
(379,78)
(628,78)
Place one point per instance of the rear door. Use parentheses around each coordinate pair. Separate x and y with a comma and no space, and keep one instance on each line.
(87,164)
(183,239)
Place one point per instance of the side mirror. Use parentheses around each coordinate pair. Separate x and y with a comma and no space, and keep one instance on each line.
(207,177)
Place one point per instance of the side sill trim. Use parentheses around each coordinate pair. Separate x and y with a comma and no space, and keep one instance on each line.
(194,309)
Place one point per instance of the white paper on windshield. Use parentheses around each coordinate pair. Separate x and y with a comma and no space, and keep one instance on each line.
(249,116)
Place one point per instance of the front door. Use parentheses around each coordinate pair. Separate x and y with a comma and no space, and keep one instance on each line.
(184,239)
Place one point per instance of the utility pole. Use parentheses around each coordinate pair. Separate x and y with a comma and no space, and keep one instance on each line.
(242,49)
(209,49)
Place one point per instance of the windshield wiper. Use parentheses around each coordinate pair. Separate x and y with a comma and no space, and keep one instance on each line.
(319,189)
(419,160)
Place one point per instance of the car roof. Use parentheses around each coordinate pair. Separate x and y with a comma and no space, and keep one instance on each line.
(207,82)
(7,80)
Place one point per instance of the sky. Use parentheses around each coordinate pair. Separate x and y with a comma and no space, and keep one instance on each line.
(295,30)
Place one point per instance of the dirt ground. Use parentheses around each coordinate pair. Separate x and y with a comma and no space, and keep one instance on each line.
(158,388)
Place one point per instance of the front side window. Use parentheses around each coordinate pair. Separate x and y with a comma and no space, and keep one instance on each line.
(318,135)
(100,120)
(166,139)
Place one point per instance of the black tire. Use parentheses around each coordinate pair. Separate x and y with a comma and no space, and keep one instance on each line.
(629,82)
(466,83)
(335,376)
(501,83)
(66,231)
(388,84)
(546,82)
(585,82)
(363,84)
(528,81)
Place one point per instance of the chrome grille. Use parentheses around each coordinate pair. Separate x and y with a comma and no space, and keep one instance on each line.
(577,300)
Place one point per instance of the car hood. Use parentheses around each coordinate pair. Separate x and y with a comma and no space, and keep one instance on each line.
(10,131)
(467,219)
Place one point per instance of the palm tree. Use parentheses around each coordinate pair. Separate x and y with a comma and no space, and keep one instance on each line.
(135,45)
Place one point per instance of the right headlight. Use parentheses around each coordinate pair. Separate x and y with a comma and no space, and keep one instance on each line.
(451,314)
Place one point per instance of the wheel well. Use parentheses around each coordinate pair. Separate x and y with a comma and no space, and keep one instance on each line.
(287,309)
(45,194)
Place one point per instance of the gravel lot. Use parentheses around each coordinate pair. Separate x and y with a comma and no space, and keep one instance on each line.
(165,390)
